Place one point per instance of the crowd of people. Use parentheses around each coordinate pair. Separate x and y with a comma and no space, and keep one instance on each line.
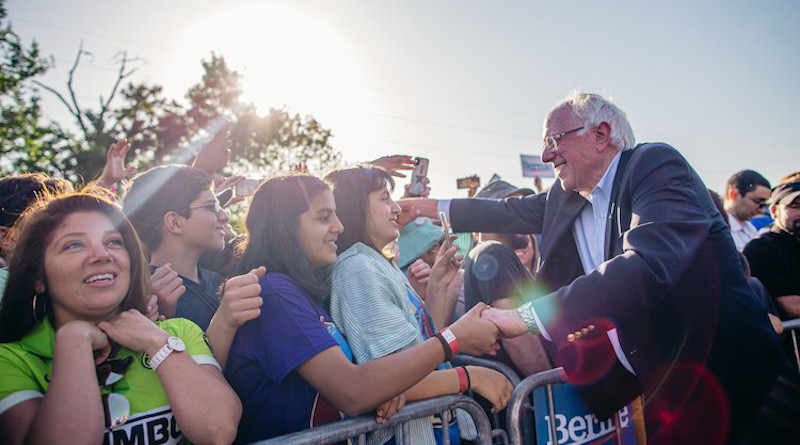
(132,312)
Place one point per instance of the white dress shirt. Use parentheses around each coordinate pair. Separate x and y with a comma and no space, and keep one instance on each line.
(742,232)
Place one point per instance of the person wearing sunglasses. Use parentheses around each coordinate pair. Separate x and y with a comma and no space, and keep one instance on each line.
(79,362)
(746,195)
(178,218)
(775,255)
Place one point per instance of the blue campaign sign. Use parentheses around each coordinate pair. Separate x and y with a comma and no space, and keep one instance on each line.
(533,167)
(575,424)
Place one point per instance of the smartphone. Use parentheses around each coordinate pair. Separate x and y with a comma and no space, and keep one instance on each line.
(417,186)
(468,182)
(447,232)
(247,187)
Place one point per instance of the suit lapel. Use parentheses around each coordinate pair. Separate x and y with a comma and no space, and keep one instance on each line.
(612,220)
(566,206)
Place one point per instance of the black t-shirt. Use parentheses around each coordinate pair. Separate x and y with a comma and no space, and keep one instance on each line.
(774,259)
(493,272)
(201,299)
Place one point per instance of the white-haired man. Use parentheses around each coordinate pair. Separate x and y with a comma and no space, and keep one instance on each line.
(645,289)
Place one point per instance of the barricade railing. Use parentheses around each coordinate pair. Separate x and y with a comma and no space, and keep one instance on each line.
(498,433)
(570,422)
(359,427)
(793,326)
(519,405)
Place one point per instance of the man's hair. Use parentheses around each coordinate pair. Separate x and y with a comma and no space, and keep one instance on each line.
(272,238)
(745,181)
(17,192)
(351,189)
(168,188)
(594,109)
(26,266)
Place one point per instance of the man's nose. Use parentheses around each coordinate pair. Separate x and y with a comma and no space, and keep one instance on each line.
(548,155)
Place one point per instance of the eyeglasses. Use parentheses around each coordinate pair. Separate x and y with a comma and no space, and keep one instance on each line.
(551,142)
(214,208)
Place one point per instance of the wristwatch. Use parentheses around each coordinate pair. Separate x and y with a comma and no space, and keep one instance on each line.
(526,313)
(174,344)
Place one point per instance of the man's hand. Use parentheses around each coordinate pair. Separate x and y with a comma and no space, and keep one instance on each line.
(152,309)
(169,288)
(508,321)
(475,335)
(414,207)
(115,171)
(395,164)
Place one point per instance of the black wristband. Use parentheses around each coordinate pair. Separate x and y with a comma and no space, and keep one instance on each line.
(469,381)
(448,353)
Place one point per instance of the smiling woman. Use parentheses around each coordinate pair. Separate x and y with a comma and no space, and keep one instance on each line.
(79,362)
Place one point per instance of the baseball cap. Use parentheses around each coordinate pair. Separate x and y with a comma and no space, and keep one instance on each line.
(499,189)
(416,238)
(785,193)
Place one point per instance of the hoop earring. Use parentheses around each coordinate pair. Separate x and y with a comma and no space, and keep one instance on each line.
(44,307)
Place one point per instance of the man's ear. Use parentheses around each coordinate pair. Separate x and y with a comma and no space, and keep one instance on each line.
(732,194)
(773,211)
(173,223)
(602,136)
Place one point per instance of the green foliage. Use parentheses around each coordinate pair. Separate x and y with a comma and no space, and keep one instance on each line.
(26,143)
(159,129)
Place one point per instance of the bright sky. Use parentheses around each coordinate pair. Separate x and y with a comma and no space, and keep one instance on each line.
(466,84)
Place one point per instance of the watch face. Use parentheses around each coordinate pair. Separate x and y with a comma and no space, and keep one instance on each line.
(176,344)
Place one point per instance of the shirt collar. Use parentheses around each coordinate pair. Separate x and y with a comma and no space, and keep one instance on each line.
(605,184)
(40,340)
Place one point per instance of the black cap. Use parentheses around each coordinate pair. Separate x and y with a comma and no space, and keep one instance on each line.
(499,189)
(785,193)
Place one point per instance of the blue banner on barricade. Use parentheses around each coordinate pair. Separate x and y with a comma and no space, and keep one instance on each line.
(575,424)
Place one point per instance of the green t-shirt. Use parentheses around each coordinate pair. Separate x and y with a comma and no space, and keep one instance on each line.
(25,368)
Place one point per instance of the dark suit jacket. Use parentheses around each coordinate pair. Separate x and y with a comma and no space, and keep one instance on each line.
(672,284)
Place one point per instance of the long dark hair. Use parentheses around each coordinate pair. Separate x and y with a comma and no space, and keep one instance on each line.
(34,231)
(272,239)
(351,189)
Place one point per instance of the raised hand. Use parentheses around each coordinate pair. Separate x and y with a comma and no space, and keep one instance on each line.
(426,190)
(115,171)
(508,321)
(215,155)
(475,335)
(169,288)
(491,385)
(395,164)
(414,207)
(241,299)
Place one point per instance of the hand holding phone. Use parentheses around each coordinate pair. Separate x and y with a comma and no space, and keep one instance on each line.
(447,232)
(246,187)
(417,186)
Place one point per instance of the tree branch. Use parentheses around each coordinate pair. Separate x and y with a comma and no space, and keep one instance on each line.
(121,75)
(57,94)
(77,113)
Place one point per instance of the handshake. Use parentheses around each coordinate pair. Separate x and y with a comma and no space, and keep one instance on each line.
(478,330)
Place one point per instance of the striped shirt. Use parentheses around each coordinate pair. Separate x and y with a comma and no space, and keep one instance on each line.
(370,305)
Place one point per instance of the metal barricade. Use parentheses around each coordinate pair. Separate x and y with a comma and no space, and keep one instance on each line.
(359,427)
(497,431)
(556,424)
(793,326)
